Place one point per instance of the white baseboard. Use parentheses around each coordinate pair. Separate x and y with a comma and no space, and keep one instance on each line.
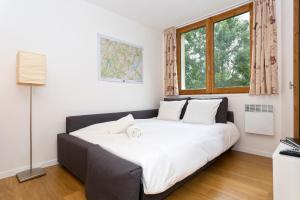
(254,151)
(13,172)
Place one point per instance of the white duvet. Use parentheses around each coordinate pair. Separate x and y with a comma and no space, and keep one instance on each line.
(167,151)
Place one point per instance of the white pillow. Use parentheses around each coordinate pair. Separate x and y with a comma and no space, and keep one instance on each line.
(170,110)
(202,111)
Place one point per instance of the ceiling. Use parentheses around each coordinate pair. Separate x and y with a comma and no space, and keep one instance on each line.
(161,14)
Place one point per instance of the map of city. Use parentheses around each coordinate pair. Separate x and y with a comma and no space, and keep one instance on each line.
(120,61)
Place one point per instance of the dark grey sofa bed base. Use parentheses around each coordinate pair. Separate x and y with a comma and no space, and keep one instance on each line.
(105,175)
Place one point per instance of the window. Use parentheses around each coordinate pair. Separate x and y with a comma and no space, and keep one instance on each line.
(193,54)
(214,55)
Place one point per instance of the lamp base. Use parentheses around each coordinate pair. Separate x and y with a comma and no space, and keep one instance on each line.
(30,174)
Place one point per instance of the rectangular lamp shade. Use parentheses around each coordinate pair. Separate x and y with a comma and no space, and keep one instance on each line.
(31,68)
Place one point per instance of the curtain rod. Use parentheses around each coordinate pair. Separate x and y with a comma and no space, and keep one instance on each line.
(214,13)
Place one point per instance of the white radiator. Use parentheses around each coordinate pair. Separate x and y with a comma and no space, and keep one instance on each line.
(259,119)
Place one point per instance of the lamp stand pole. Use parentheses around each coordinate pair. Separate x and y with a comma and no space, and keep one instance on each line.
(30,127)
(32,172)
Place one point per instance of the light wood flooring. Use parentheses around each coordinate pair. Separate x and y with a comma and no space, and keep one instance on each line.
(234,176)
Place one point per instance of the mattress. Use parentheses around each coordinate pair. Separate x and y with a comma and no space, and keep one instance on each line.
(167,151)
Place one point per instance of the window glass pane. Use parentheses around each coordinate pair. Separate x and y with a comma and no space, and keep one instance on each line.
(232,52)
(193,59)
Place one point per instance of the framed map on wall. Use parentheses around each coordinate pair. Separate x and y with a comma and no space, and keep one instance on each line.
(119,61)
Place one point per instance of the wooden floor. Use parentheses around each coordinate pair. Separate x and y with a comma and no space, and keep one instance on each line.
(233,176)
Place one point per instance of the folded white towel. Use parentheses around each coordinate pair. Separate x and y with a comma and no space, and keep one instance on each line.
(134,132)
(112,127)
(120,126)
(100,128)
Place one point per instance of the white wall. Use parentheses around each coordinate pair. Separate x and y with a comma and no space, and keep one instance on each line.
(283,103)
(66,31)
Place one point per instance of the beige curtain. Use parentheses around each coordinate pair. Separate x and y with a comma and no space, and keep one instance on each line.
(171,81)
(264,69)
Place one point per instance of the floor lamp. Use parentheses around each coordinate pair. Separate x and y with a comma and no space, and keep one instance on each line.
(31,71)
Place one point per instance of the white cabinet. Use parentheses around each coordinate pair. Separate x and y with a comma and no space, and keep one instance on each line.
(286,176)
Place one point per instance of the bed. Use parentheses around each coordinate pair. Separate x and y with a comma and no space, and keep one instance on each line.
(110,171)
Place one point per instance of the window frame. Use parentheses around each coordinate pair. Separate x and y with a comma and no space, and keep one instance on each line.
(209,27)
